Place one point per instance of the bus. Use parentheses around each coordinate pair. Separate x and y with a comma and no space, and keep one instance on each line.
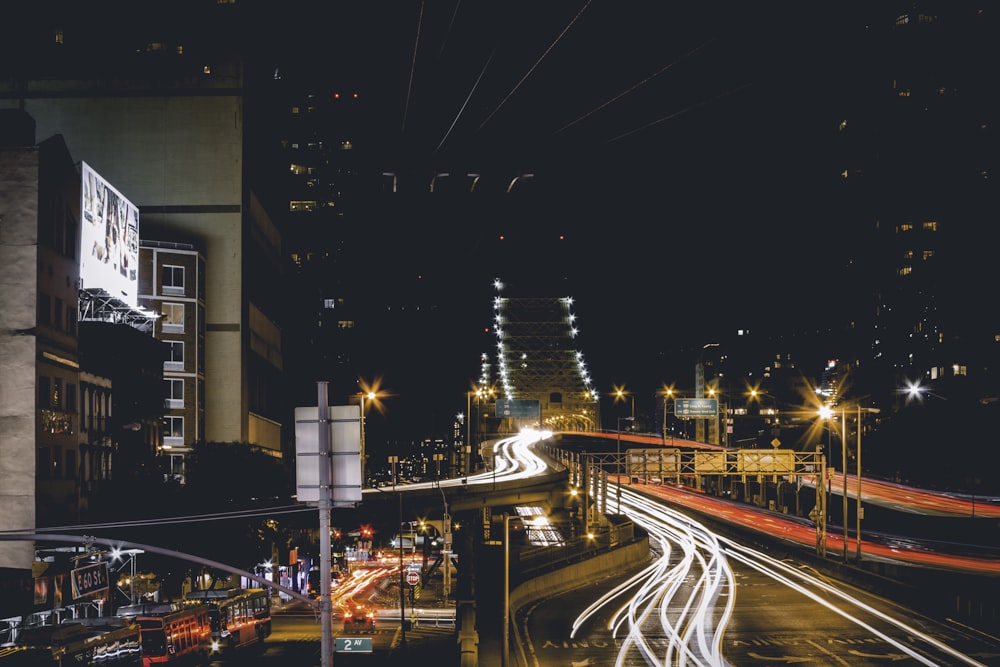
(113,642)
(172,633)
(239,616)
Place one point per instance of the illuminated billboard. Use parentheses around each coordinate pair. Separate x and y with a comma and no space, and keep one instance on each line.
(109,239)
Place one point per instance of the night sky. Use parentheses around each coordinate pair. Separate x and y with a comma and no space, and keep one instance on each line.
(680,158)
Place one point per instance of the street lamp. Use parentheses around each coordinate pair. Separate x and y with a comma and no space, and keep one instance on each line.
(480,393)
(826,412)
(620,395)
(715,392)
(618,461)
(402,574)
(364,461)
(668,393)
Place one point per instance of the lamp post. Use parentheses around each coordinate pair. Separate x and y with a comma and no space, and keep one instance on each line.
(505,646)
(620,395)
(402,580)
(618,460)
(826,412)
(371,395)
(858,510)
(468,432)
(667,394)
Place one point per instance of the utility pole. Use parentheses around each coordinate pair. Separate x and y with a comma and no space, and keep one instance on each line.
(325,472)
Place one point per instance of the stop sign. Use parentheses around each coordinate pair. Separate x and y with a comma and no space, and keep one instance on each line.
(412,578)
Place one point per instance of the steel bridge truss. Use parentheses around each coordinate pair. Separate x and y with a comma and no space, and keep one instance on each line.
(538,361)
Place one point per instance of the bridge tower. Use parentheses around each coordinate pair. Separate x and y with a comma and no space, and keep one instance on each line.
(537,360)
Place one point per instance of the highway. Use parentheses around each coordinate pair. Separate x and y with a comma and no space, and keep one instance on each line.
(702,599)
(708,600)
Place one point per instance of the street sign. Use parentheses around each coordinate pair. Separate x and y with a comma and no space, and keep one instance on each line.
(517,408)
(89,579)
(696,407)
(353,645)
(413,578)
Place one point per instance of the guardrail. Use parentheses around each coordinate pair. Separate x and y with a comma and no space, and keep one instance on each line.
(428,616)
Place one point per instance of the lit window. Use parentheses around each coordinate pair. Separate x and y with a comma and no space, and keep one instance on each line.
(295,109)
(345,324)
(59,37)
(298,205)
(905,227)
(959,369)
(207,69)
(930,226)
(173,431)
(297,169)
(173,317)
(927,254)
(907,254)
(905,270)
(180,49)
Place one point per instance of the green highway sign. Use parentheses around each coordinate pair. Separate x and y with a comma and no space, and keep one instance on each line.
(696,407)
(353,645)
(517,408)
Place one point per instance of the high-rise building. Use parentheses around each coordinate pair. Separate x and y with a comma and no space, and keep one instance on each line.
(918,188)
(172,283)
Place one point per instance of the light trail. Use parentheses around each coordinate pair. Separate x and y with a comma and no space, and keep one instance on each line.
(677,596)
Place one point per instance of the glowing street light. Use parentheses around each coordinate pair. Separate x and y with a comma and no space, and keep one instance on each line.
(618,461)
(668,393)
(826,412)
(620,395)
(368,394)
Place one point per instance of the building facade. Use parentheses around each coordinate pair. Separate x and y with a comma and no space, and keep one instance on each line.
(166,126)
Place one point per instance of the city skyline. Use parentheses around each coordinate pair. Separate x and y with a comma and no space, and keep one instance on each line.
(679,171)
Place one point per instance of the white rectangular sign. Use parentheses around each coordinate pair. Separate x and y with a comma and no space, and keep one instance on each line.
(344,459)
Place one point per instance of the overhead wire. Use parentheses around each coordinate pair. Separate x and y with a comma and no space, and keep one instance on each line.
(534,66)
(634,87)
(413,65)
(191,518)
(678,113)
(466,102)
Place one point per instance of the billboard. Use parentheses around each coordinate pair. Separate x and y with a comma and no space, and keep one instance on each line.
(109,239)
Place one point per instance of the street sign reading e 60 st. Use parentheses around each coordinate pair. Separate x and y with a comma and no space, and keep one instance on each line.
(696,408)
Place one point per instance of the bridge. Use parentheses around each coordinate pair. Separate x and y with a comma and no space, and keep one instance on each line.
(537,361)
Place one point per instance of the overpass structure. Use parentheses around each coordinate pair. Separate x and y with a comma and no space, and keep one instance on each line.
(537,361)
